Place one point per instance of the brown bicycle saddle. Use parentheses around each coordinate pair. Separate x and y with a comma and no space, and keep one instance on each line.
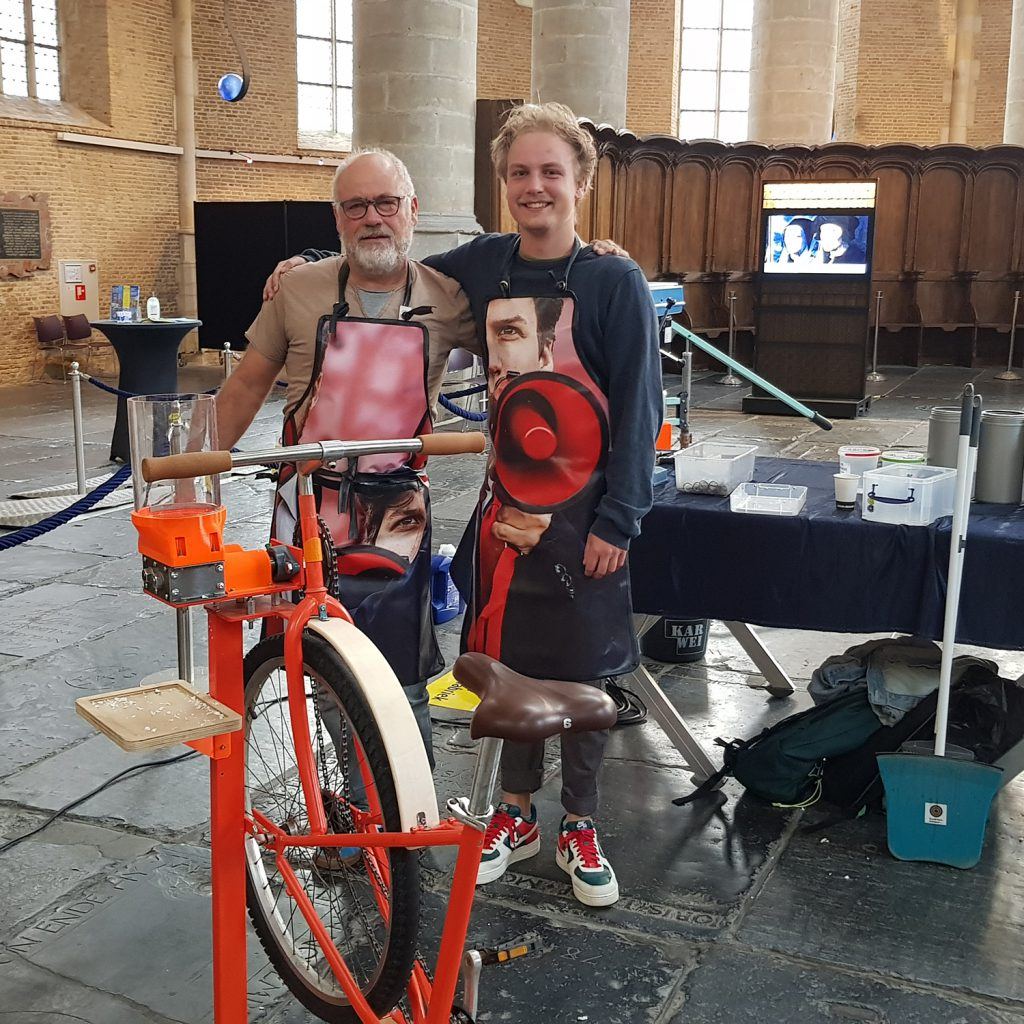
(524,710)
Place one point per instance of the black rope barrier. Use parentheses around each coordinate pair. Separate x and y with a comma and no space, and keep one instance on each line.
(474,417)
(128,394)
(84,504)
(474,390)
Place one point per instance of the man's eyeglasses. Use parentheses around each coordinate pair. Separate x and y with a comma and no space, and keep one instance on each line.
(386,206)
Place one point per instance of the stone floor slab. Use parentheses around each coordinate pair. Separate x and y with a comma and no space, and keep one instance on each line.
(37,712)
(143,934)
(31,995)
(840,898)
(166,801)
(58,615)
(762,988)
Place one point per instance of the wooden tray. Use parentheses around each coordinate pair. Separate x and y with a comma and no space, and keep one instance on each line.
(158,715)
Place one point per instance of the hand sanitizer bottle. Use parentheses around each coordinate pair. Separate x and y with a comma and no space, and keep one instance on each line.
(152,308)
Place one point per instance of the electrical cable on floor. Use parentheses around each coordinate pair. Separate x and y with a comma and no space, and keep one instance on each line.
(11,843)
(631,709)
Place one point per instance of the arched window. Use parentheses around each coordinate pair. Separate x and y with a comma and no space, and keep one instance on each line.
(714,76)
(323,42)
(29,49)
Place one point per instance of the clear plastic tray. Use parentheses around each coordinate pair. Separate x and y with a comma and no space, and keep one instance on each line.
(714,467)
(768,499)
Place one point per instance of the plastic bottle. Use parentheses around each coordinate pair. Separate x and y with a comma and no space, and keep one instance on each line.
(152,308)
(444,595)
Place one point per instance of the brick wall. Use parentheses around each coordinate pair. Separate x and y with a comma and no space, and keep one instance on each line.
(652,96)
(847,61)
(504,50)
(120,206)
(992,53)
(504,59)
(896,71)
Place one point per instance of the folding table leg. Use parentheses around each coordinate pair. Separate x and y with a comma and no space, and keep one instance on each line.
(779,684)
(662,710)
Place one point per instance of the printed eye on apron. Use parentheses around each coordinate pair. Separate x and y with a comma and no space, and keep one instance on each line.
(369,380)
(533,607)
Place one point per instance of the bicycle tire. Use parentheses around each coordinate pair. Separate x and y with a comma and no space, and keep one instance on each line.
(383,985)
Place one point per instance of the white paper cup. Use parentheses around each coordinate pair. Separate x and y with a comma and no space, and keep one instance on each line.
(846,489)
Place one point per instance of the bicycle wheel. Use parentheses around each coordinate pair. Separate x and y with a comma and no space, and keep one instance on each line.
(369,904)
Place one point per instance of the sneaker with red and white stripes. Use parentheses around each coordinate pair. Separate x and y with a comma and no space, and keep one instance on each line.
(580,856)
(509,837)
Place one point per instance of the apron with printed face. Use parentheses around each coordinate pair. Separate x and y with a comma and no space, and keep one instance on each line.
(369,381)
(533,607)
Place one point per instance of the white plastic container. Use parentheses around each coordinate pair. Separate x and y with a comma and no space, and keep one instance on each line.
(714,467)
(858,459)
(910,495)
(768,499)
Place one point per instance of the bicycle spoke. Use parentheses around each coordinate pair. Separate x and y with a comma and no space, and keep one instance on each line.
(350,900)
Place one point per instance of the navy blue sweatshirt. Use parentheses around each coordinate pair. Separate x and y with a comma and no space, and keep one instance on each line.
(616,333)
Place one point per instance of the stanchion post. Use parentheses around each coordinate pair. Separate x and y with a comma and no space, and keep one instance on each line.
(730,379)
(227,359)
(1009,373)
(76,413)
(874,376)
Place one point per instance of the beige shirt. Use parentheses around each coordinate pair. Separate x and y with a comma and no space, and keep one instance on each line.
(285,329)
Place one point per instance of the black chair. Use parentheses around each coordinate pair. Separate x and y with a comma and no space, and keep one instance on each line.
(80,341)
(50,339)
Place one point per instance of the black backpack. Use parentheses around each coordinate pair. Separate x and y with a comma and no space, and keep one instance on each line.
(829,752)
(986,716)
(784,763)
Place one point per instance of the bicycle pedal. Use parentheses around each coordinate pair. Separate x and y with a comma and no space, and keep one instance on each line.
(507,952)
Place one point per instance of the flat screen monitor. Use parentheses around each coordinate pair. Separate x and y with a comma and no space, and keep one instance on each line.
(817,242)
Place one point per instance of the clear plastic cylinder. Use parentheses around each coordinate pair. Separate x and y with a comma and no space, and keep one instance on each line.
(169,425)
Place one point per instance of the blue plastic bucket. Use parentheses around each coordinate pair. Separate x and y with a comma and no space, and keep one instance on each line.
(937,807)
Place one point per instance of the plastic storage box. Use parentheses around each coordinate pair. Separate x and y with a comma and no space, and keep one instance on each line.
(911,495)
(768,499)
(714,467)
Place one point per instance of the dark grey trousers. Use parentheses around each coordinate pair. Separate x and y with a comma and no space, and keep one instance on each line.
(522,766)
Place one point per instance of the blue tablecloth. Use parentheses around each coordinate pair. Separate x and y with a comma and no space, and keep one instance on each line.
(825,569)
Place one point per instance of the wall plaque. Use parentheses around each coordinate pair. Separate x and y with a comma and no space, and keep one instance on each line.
(25,243)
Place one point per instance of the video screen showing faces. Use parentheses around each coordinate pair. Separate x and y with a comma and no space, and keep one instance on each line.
(817,243)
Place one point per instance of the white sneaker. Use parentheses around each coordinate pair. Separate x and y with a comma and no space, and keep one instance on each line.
(580,856)
(510,837)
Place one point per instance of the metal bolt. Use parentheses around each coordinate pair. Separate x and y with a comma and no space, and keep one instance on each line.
(220,585)
(174,593)
(174,575)
(220,568)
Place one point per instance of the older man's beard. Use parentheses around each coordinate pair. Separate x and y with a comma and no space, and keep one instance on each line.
(376,258)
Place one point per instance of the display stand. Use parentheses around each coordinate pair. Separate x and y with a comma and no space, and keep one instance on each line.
(812,308)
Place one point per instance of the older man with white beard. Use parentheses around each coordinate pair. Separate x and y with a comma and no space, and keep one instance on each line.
(363,339)
(375,210)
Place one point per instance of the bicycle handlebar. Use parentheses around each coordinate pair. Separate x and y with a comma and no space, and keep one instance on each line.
(191,464)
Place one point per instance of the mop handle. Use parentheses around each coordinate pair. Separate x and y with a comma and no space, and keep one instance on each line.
(966,460)
(735,364)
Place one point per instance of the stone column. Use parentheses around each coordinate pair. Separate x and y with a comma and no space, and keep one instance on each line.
(414,92)
(1013,125)
(964,70)
(581,57)
(792,71)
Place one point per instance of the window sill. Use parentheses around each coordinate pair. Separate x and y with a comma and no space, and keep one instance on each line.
(47,113)
(329,142)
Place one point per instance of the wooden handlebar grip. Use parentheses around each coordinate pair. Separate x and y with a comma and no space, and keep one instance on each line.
(188,464)
(470,443)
